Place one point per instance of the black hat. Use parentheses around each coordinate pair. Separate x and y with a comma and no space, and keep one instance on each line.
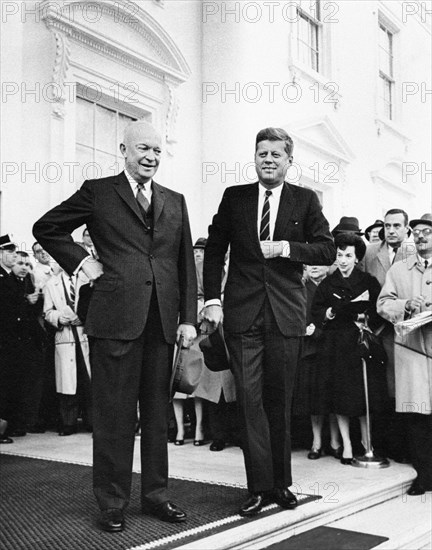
(426,219)
(377,223)
(201,243)
(215,351)
(6,243)
(347,224)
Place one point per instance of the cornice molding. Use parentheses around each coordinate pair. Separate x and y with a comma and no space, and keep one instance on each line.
(168,58)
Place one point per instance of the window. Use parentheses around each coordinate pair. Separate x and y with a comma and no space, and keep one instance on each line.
(308,33)
(386,72)
(99,132)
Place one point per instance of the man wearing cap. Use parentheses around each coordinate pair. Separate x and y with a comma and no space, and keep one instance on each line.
(144,298)
(8,257)
(272,229)
(378,259)
(372,233)
(407,291)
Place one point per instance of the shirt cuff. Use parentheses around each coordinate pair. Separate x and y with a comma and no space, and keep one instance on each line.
(286,249)
(213,302)
(81,264)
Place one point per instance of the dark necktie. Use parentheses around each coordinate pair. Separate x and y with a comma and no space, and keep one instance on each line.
(265,219)
(141,198)
(426,264)
(72,291)
(395,251)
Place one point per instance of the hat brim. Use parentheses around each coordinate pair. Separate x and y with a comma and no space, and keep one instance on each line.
(413,223)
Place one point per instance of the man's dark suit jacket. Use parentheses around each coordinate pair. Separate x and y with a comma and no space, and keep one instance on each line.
(133,262)
(251,277)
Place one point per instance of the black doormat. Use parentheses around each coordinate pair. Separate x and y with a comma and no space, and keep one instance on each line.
(329,538)
(47,505)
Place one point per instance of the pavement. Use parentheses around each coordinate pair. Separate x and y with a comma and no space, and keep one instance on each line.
(349,494)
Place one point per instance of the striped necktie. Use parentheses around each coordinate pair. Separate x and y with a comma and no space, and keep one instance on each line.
(141,198)
(72,290)
(265,218)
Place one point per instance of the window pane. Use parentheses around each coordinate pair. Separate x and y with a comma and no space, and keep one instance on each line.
(105,130)
(84,122)
(107,164)
(123,121)
(86,168)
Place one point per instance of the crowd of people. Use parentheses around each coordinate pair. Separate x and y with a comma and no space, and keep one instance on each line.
(283,370)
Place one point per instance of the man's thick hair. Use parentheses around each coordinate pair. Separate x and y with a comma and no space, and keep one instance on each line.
(344,239)
(22,253)
(394,211)
(275,134)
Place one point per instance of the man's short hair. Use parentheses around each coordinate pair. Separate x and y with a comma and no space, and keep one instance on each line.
(275,134)
(394,211)
(84,230)
(34,245)
(22,253)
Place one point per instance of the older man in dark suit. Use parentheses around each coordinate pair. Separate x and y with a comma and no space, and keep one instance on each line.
(144,285)
(273,228)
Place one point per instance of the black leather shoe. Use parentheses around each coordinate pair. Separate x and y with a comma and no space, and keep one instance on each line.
(111,520)
(254,504)
(5,439)
(416,489)
(19,432)
(314,454)
(167,511)
(217,445)
(346,461)
(285,498)
(68,430)
(336,453)
(36,429)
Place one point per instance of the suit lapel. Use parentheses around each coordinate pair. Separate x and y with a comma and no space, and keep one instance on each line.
(123,188)
(250,209)
(383,257)
(158,200)
(286,209)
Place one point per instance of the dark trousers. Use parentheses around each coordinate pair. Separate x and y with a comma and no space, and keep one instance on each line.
(70,405)
(21,381)
(264,364)
(124,373)
(420,440)
(223,421)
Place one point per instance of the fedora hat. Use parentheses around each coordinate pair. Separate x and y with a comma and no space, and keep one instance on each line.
(347,224)
(426,219)
(215,351)
(377,223)
(200,243)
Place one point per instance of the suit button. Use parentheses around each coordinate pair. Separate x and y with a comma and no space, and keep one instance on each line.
(151,257)
(429,282)
(148,283)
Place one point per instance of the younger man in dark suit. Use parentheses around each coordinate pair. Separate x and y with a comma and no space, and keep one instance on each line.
(273,228)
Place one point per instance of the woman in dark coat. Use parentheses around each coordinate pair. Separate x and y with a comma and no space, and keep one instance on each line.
(311,392)
(334,310)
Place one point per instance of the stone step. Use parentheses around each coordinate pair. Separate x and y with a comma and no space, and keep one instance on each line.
(379,489)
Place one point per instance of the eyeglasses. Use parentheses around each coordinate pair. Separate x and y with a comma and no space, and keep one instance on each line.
(425,232)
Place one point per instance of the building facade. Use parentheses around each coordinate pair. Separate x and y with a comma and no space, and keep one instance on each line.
(351,81)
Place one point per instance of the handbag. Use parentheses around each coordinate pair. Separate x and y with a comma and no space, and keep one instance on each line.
(187,368)
(214,348)
(370,344)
